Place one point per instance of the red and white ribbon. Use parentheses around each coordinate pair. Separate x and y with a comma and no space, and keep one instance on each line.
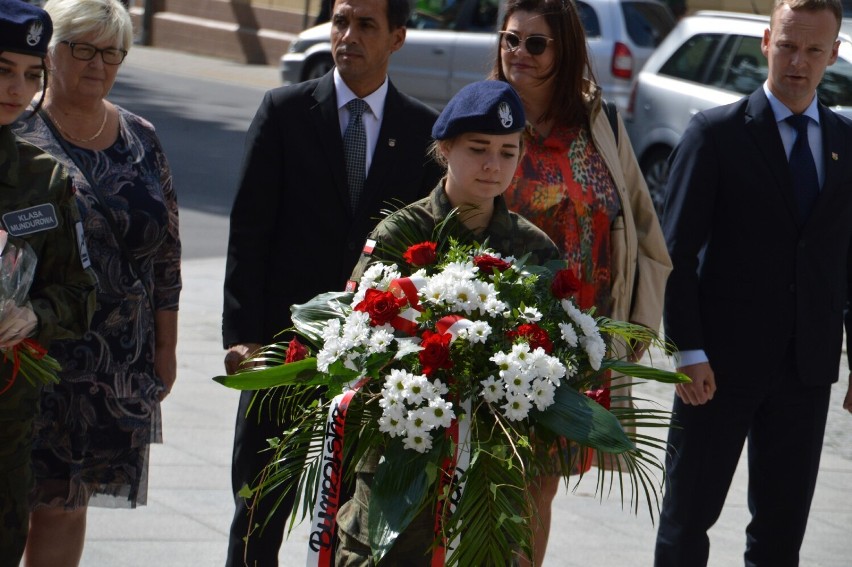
(327,498)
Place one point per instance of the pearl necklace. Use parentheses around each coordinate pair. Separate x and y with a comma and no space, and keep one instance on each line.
(75,138)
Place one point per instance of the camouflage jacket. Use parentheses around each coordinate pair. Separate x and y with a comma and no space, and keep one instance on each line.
(37,205)
(508,233)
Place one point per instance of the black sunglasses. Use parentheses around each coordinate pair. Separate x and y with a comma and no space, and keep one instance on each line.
(534,44)
(87,52)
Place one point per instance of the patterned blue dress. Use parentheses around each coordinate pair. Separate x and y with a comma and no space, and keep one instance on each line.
(96,426)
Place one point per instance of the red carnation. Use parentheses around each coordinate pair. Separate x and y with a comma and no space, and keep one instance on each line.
(296,351)
(422,254)
(487,264)
(436,351)
(601,396)
(564,284)
(382,306)
(534,335)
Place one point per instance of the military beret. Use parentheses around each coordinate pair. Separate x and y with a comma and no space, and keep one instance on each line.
(486,107)
(24,28)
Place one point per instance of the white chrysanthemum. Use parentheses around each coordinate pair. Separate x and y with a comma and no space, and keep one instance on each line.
(569,335)
(553,370)
(397,381)
(517,406)
(476,332)
(529,314)
(542,393)
(492,389)
(377,276)
(518,382)
(393,421)
(520,352)
(420,442)
(462,297)
(436,290)
(356,329)
(417,388)
(439,388)
(460,271)
(423,418)
(380,340)
(485,291)
(494,307)
(583,320)
(331,330)
(596,349)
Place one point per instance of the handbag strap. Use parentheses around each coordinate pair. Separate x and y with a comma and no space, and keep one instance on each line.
(131,260)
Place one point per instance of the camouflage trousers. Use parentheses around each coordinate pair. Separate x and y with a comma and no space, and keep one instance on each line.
(18,407)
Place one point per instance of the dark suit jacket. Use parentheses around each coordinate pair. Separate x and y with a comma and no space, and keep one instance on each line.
(292,234)
(748,280)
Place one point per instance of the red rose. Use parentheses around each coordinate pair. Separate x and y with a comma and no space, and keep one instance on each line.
(422,254)
(534,335)
(436,351)
(382,306)
(487,264)
(295,351)
(601,396)
(564,284)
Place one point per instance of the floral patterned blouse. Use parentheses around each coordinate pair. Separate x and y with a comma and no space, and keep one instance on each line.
(95,427)
(564,187)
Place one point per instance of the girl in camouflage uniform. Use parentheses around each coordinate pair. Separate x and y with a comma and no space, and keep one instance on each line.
(61,299)
(478,139)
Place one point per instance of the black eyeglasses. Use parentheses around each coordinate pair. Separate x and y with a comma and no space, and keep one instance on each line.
(534,44)
(87,52)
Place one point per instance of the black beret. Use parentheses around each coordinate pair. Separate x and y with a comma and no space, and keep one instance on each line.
(486,107)
(24,28)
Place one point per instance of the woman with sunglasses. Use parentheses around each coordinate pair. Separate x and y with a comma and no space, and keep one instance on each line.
(93,436)
(579,183)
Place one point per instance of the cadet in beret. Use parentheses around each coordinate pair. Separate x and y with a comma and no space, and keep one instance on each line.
(478,139)
(61,298)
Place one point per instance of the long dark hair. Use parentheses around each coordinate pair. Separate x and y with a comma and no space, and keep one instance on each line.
(571,64)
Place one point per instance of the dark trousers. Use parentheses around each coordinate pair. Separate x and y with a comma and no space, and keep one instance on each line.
(250,456)
(784,422)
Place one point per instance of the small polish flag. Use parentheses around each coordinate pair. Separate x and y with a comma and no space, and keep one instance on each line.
(351,285)
(369,246)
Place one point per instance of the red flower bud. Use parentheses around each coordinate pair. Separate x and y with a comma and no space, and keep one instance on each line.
(422,254)
(487,264)
(296,351)
(436,351)
(534,335)
(564,284)
(382,306)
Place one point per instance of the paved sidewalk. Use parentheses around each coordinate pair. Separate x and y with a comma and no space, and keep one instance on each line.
(189,503)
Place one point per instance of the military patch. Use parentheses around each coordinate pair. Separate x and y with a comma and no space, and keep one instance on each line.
(31,220)
(81,245)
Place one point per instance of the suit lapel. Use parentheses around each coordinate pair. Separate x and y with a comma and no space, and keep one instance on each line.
(832,156)
(761,124)
(386,152)
(326,121)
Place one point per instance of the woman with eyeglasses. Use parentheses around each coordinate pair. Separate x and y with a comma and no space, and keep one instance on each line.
(582,185)
(93,435)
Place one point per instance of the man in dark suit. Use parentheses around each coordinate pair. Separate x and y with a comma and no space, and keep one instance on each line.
(296,228)
(758,226)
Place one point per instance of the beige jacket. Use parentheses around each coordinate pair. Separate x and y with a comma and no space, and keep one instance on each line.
(640,260)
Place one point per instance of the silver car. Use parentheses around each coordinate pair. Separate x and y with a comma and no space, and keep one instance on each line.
(709,59)
(454,42)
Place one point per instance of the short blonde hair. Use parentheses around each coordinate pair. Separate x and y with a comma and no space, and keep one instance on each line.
(107,19)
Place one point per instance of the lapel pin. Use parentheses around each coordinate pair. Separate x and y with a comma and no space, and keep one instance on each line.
(392,143)
(834,156)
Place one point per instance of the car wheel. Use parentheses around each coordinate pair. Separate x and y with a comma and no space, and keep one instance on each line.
(655,168)
(318,66)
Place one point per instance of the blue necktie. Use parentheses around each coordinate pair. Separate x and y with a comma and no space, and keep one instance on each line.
(355,150)
(803,172)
